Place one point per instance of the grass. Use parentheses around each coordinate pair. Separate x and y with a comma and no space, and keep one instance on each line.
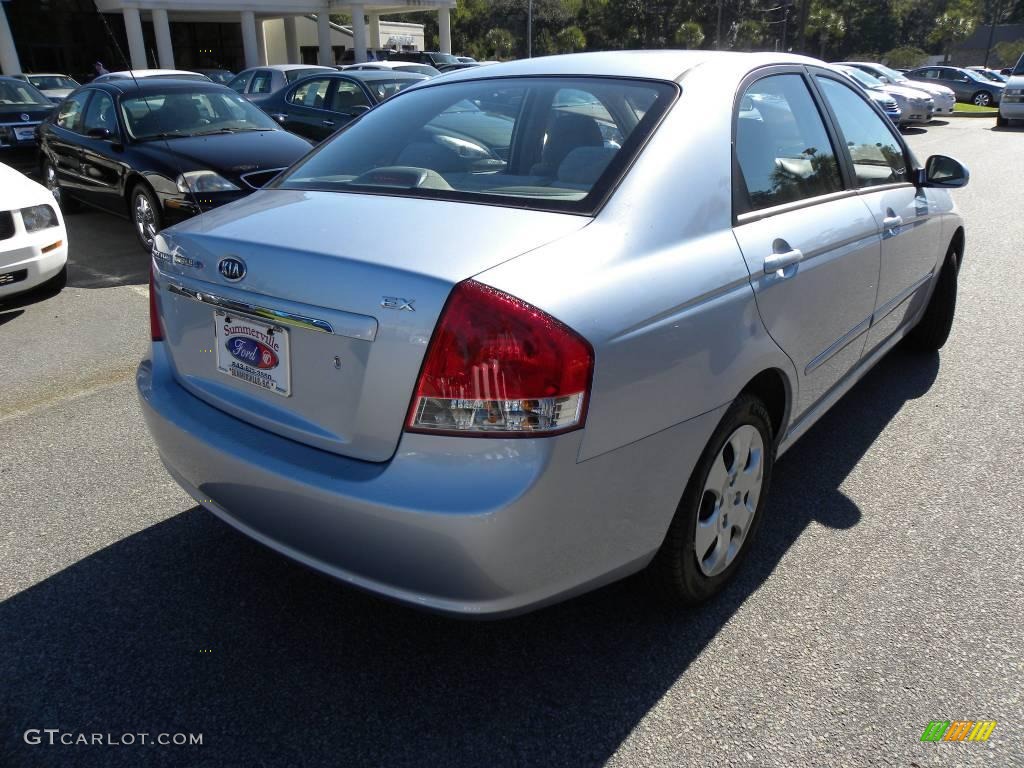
(973,108)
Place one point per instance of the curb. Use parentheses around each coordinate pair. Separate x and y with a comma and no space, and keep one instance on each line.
(974,114)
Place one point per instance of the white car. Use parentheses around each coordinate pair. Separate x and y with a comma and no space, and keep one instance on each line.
(395,66)
(54,86)
(1011,106)
(33,240)
(137,74)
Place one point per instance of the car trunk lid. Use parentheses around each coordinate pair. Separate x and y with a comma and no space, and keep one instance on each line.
(351,286)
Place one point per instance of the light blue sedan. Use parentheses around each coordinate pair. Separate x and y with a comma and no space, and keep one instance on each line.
(525,329)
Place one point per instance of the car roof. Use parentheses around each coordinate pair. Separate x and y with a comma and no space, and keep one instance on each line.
(655,64)
(130,73)
(46,74)
(144,85)
(285,67)
(371,75)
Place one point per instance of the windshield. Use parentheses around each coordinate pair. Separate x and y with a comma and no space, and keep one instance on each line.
(51,82)
(892,74)
(417,69)
(995,77)
(1019,69)
(21,94)
(221,76)
(443,58)
(862,77)
(545,143)
(292,75)
(185,113)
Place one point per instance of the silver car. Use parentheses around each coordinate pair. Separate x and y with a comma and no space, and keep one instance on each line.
(945,99)
(915,106)
(521,331)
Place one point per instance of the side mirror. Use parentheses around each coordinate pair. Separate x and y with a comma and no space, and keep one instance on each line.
(942,171)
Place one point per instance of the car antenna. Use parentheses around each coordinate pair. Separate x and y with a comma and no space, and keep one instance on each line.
(149,108)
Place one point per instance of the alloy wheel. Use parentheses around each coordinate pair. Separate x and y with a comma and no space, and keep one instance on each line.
(983,99)
(731,492)
(145,219)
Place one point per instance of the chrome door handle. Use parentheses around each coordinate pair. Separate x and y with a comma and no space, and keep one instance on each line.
(892,222)
(774,262)
(328,122)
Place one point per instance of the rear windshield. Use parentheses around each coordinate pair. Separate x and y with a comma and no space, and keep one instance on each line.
(539,142)
(51,82)
(20,94)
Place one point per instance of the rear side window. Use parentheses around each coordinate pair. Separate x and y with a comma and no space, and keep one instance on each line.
(876,153)
(69,117)
(261,82)
(348,96)
(533,142)
(782,147)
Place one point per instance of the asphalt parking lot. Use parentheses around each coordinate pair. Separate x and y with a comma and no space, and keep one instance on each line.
(886,589)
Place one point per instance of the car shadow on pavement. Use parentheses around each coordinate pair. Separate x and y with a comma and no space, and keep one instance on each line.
(103,251)
(189,627)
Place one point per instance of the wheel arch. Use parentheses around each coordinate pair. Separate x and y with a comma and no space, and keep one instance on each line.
(773,388)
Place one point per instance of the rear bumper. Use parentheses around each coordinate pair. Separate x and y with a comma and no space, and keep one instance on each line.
(1013,110)
(474,527)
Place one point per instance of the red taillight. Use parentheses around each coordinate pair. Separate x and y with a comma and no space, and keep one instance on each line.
(156,332)
(497,365)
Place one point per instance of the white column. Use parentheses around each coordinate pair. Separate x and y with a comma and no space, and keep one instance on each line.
(9,63)
(291,40)
(444,28)
(164,49)
(359,41)
(261,42)
(374,24)
(249,43)
(323,37)
(136,45)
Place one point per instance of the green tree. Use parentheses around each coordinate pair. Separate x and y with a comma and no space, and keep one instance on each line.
(747,34)
(1006,54)
(571,39)
(689,34)
(953,26)
(905,57)
(827,24)
(500,42)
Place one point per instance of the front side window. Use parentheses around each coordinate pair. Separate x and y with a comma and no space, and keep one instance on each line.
(100,115)
(311,93)
(69,115)
(782,147)
(511,142)
(876,153)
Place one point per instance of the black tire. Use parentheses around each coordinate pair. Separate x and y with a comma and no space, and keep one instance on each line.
(51,182)
(57,283)
(932,330)
(982,99)
(675,574)
(1001,121)
(142,191)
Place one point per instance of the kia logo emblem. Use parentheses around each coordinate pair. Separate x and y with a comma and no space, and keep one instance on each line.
(231,269)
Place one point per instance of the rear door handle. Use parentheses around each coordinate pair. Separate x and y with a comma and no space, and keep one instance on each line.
(328,122)
(774,262)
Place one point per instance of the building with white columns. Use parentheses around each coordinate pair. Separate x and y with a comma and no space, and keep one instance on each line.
(175,34)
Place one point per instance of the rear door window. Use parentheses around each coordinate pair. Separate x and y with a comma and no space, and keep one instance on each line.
(876,153)
(782,148)
(311,93)
(261,81)
(100,115)
(347,96)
